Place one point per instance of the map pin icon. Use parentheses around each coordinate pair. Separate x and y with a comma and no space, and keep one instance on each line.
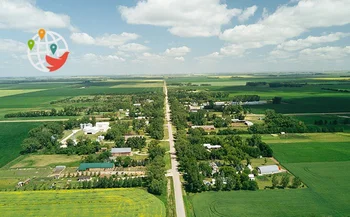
(41,33)
(53,48)
(31,44)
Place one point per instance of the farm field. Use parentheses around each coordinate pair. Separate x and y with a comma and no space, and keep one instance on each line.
(107,202)
(320,164)
(40,100)
(11,137)
(309,98)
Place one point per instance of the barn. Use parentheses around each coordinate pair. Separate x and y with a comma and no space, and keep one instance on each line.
(270,169)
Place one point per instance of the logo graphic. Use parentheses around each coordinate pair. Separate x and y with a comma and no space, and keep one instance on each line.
(47,51)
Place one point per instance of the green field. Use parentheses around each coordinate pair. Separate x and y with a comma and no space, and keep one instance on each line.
(321,165)
(40,100)
(109,202)
(11,137)
(309,98)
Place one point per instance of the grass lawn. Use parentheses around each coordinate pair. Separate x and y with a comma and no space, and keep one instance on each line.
(48,160)
(11,137)
(107,202)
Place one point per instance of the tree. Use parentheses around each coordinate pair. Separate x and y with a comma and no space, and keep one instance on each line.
(277,100)
(156,187)
(296,182)
(155,150)
(274,181)
(285,180)
(219,183)
(30,145)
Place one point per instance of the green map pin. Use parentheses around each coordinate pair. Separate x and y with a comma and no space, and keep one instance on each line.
(53,48)
(31,44)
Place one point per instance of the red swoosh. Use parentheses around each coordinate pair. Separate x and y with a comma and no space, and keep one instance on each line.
(56,63)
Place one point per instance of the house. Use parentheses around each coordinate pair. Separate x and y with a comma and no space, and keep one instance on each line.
(248,123)
(20,184)
(283,133)
(121,152)
(219,103)
(149,100)
(209,146)
(95,166)
(140,118)
(84,179)
(267,170)
(204,127)
(193,108)
(250,167)
(103,126)
(137,104)
(251,177)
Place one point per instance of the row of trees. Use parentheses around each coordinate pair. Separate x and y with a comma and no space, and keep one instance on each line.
(111,182)
(155,171)
(245,98)
(67,111)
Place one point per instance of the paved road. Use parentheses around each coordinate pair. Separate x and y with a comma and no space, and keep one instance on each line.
(180,207)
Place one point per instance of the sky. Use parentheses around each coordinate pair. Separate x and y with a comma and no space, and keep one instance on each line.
(135,37)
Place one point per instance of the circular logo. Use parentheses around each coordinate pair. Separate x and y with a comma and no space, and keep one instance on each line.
(47,51)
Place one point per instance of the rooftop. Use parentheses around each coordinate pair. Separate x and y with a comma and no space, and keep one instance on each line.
(120,150)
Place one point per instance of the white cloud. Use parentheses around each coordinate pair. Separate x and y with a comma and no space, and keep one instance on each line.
(210,57)
(150,57)
(291,21)
(108,40)
(327,53)
(299,44)
(9,45)
(177,51)
(133,47)
(25,15)
(182,59)
(116,40)
(184,18)
(82,38)
(93,58)
(247,13)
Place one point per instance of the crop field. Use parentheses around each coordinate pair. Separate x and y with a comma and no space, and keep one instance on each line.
(312,152)
(11,137)
(306,99)
(29,98)
(322,165)
(48,160)
(107,202)
(16,92)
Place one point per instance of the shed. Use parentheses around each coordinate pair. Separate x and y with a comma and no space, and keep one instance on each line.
(121,151)
(95,166)
(266,170)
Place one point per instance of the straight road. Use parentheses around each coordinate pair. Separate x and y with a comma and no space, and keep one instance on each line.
(179,202)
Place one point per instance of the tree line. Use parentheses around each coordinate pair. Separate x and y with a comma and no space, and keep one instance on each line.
(67,111)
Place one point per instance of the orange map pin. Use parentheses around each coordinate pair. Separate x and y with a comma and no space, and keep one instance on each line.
(42,33)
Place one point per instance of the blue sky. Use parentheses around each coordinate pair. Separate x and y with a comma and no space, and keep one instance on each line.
(180,36)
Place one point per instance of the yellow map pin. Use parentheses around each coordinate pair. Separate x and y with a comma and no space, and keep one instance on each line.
(42,33)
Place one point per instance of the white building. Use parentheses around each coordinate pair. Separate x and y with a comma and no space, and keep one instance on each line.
(250,103)
(209,146)
(267,170)
(100,127)
(137,104)
(251,177)
(248,123)
(219,103)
